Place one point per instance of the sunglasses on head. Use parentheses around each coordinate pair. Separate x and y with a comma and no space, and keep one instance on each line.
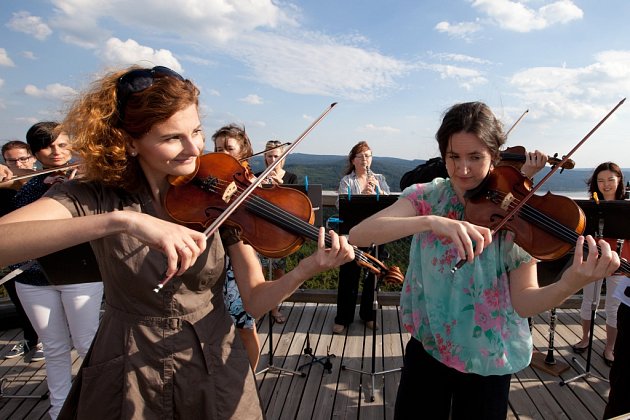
(137,80)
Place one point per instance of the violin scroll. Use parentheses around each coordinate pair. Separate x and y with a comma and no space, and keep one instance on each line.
(515,156)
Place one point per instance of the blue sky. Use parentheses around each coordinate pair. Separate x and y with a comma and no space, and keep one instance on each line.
(393,67)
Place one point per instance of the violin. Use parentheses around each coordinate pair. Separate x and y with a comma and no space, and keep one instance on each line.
(547,226)
(274,220)
(515,156)
(507,196)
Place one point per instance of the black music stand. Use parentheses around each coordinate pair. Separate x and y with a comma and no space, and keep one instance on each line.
(352,210)
(271,367)
(607,219)
(373,372)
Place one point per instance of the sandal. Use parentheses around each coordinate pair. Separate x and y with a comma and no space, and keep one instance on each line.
(578,350)
(279,318)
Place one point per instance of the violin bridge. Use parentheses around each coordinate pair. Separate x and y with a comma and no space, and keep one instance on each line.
(507,200)
(229,191)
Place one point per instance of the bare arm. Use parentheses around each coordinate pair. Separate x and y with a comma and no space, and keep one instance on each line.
(399,220)
(46,226)
(529,299)
(260,296)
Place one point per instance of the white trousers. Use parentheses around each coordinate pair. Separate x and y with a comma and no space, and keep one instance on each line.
(593,290)
(63,316)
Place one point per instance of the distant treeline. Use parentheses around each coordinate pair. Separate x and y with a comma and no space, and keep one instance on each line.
(327,170)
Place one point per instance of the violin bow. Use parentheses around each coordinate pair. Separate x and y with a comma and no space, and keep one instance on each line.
(265,151)
(247,192)
(507,133)
(536,187)
(42,172)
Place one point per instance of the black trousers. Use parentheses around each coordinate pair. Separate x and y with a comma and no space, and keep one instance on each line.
(29,332)
(431,390)
(348,290)
(618,398)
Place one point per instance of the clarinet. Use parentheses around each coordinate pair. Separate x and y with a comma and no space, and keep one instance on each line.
(370,174)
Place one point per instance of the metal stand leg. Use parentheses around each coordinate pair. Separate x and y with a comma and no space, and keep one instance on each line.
(271,367)
(3,395)
(587,370)
(324,360)
(373,373)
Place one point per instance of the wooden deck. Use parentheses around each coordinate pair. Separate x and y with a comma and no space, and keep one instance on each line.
(342,393)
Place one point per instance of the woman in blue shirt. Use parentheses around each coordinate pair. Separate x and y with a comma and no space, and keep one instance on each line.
(469,328)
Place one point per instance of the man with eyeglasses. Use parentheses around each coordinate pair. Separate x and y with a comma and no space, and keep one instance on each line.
(18,157)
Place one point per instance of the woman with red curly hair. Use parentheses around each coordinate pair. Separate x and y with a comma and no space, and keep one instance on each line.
(172,354)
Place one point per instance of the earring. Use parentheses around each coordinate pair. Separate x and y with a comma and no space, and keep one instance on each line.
(134,154)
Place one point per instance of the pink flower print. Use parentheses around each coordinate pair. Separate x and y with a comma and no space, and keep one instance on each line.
(491,298)
(423,207)
(483,318)
(453,361)
(452,214)
(499,362)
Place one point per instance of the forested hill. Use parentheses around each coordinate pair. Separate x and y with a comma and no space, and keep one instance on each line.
(328,170)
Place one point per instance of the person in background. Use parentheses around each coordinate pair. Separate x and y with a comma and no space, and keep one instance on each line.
(273,150)
(358,179)
(469,328)
(618,401)
(234,141)
(17,155)
(607,183)
(174,353)
(63,304)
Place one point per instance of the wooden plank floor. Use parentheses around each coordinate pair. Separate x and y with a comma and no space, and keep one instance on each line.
(316,392)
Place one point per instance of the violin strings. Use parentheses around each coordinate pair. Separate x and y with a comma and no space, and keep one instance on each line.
(562,232)
(287,220)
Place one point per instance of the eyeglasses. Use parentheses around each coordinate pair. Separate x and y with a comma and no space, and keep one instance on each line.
(137,80)
(274,143)
(20,159)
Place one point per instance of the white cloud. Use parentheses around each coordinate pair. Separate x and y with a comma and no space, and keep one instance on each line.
(466,78)
(1,82)
(579,92)
(517,16)
(117,52)
(318,65)
(31,25)
(55,91)
(5,60)
(460,58)
(461,30)
(29,55)
(379,129)
(252,99)
(263,34)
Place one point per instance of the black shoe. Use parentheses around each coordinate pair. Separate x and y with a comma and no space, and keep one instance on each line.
(578,350)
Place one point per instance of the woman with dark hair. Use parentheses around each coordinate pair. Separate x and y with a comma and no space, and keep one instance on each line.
(171,354)
(469,329)
(358,179)
(607,183)
(233,140)
(62,304)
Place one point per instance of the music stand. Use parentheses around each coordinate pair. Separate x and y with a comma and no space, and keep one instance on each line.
(606,219)
(373,372)
(271,367)
(352,210)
